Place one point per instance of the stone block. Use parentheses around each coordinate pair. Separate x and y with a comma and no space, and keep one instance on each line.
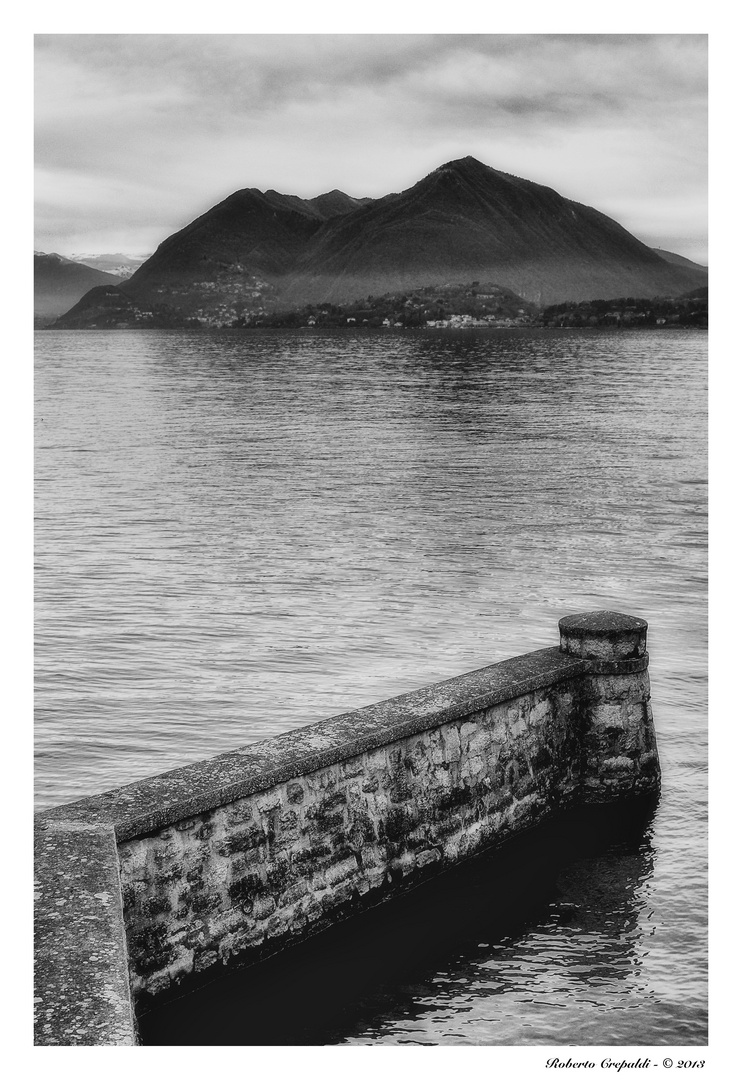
(205,959)
(350,770)
(472,767)
(269,803)
(371,858)
(609,717)
(332,800)
(518,728)
(615,765)
(237,813)
(404,864)
(294,893)
(263,907)
(539,712)
(467,731)
(451,743)
(275,927)
(481,742)
(333,875)
(637,714)
(649,762)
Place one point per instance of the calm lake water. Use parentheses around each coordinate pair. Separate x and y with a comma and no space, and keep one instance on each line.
(239,533)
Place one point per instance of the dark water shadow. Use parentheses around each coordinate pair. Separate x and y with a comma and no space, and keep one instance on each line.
(337,983)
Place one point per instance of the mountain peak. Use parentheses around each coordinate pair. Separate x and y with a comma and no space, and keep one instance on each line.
(465,181)
(466,165)
(468,162)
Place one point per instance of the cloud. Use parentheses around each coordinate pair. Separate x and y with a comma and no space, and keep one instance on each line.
(189,118)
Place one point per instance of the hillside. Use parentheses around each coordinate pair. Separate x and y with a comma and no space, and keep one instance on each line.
(252,234)
(466,220)
(679,260)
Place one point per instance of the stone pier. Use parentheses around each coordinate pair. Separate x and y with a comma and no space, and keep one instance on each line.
(145,891)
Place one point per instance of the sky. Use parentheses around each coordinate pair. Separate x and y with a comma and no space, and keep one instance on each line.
(138,134)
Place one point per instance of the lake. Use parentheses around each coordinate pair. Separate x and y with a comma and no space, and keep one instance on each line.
(239,533)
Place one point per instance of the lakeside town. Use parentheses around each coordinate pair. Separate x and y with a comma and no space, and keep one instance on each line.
(457,307)
(475,305)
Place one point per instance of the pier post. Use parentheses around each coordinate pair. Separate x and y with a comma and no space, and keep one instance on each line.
(619,754)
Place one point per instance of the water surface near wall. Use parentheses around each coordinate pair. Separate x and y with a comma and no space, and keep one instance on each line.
(239,533)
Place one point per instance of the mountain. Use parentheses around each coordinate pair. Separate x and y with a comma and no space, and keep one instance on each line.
(120,265)
(251,233)
(337,202)
(60,282)
(248,237)
(262,251)
(466,220)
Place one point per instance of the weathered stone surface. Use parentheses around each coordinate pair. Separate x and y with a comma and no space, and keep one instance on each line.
(619,747)
(603,635)
(82,993)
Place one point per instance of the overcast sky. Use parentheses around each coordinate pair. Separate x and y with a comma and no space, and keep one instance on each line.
(138,134)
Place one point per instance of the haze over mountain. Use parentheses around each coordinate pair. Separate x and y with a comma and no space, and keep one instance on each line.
(464,221)
(60,282)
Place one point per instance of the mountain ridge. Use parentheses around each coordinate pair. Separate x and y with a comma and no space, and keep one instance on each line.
(466,219)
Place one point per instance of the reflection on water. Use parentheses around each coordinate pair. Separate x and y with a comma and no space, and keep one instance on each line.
(240,533)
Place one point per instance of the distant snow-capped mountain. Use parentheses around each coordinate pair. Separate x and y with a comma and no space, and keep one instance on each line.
(120,265)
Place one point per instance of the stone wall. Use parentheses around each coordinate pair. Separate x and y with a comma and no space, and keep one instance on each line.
(258,873)
(226,861)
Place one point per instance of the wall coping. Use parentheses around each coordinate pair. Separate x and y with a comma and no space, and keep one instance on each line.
(602,624)
(82,968)
(155,802)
